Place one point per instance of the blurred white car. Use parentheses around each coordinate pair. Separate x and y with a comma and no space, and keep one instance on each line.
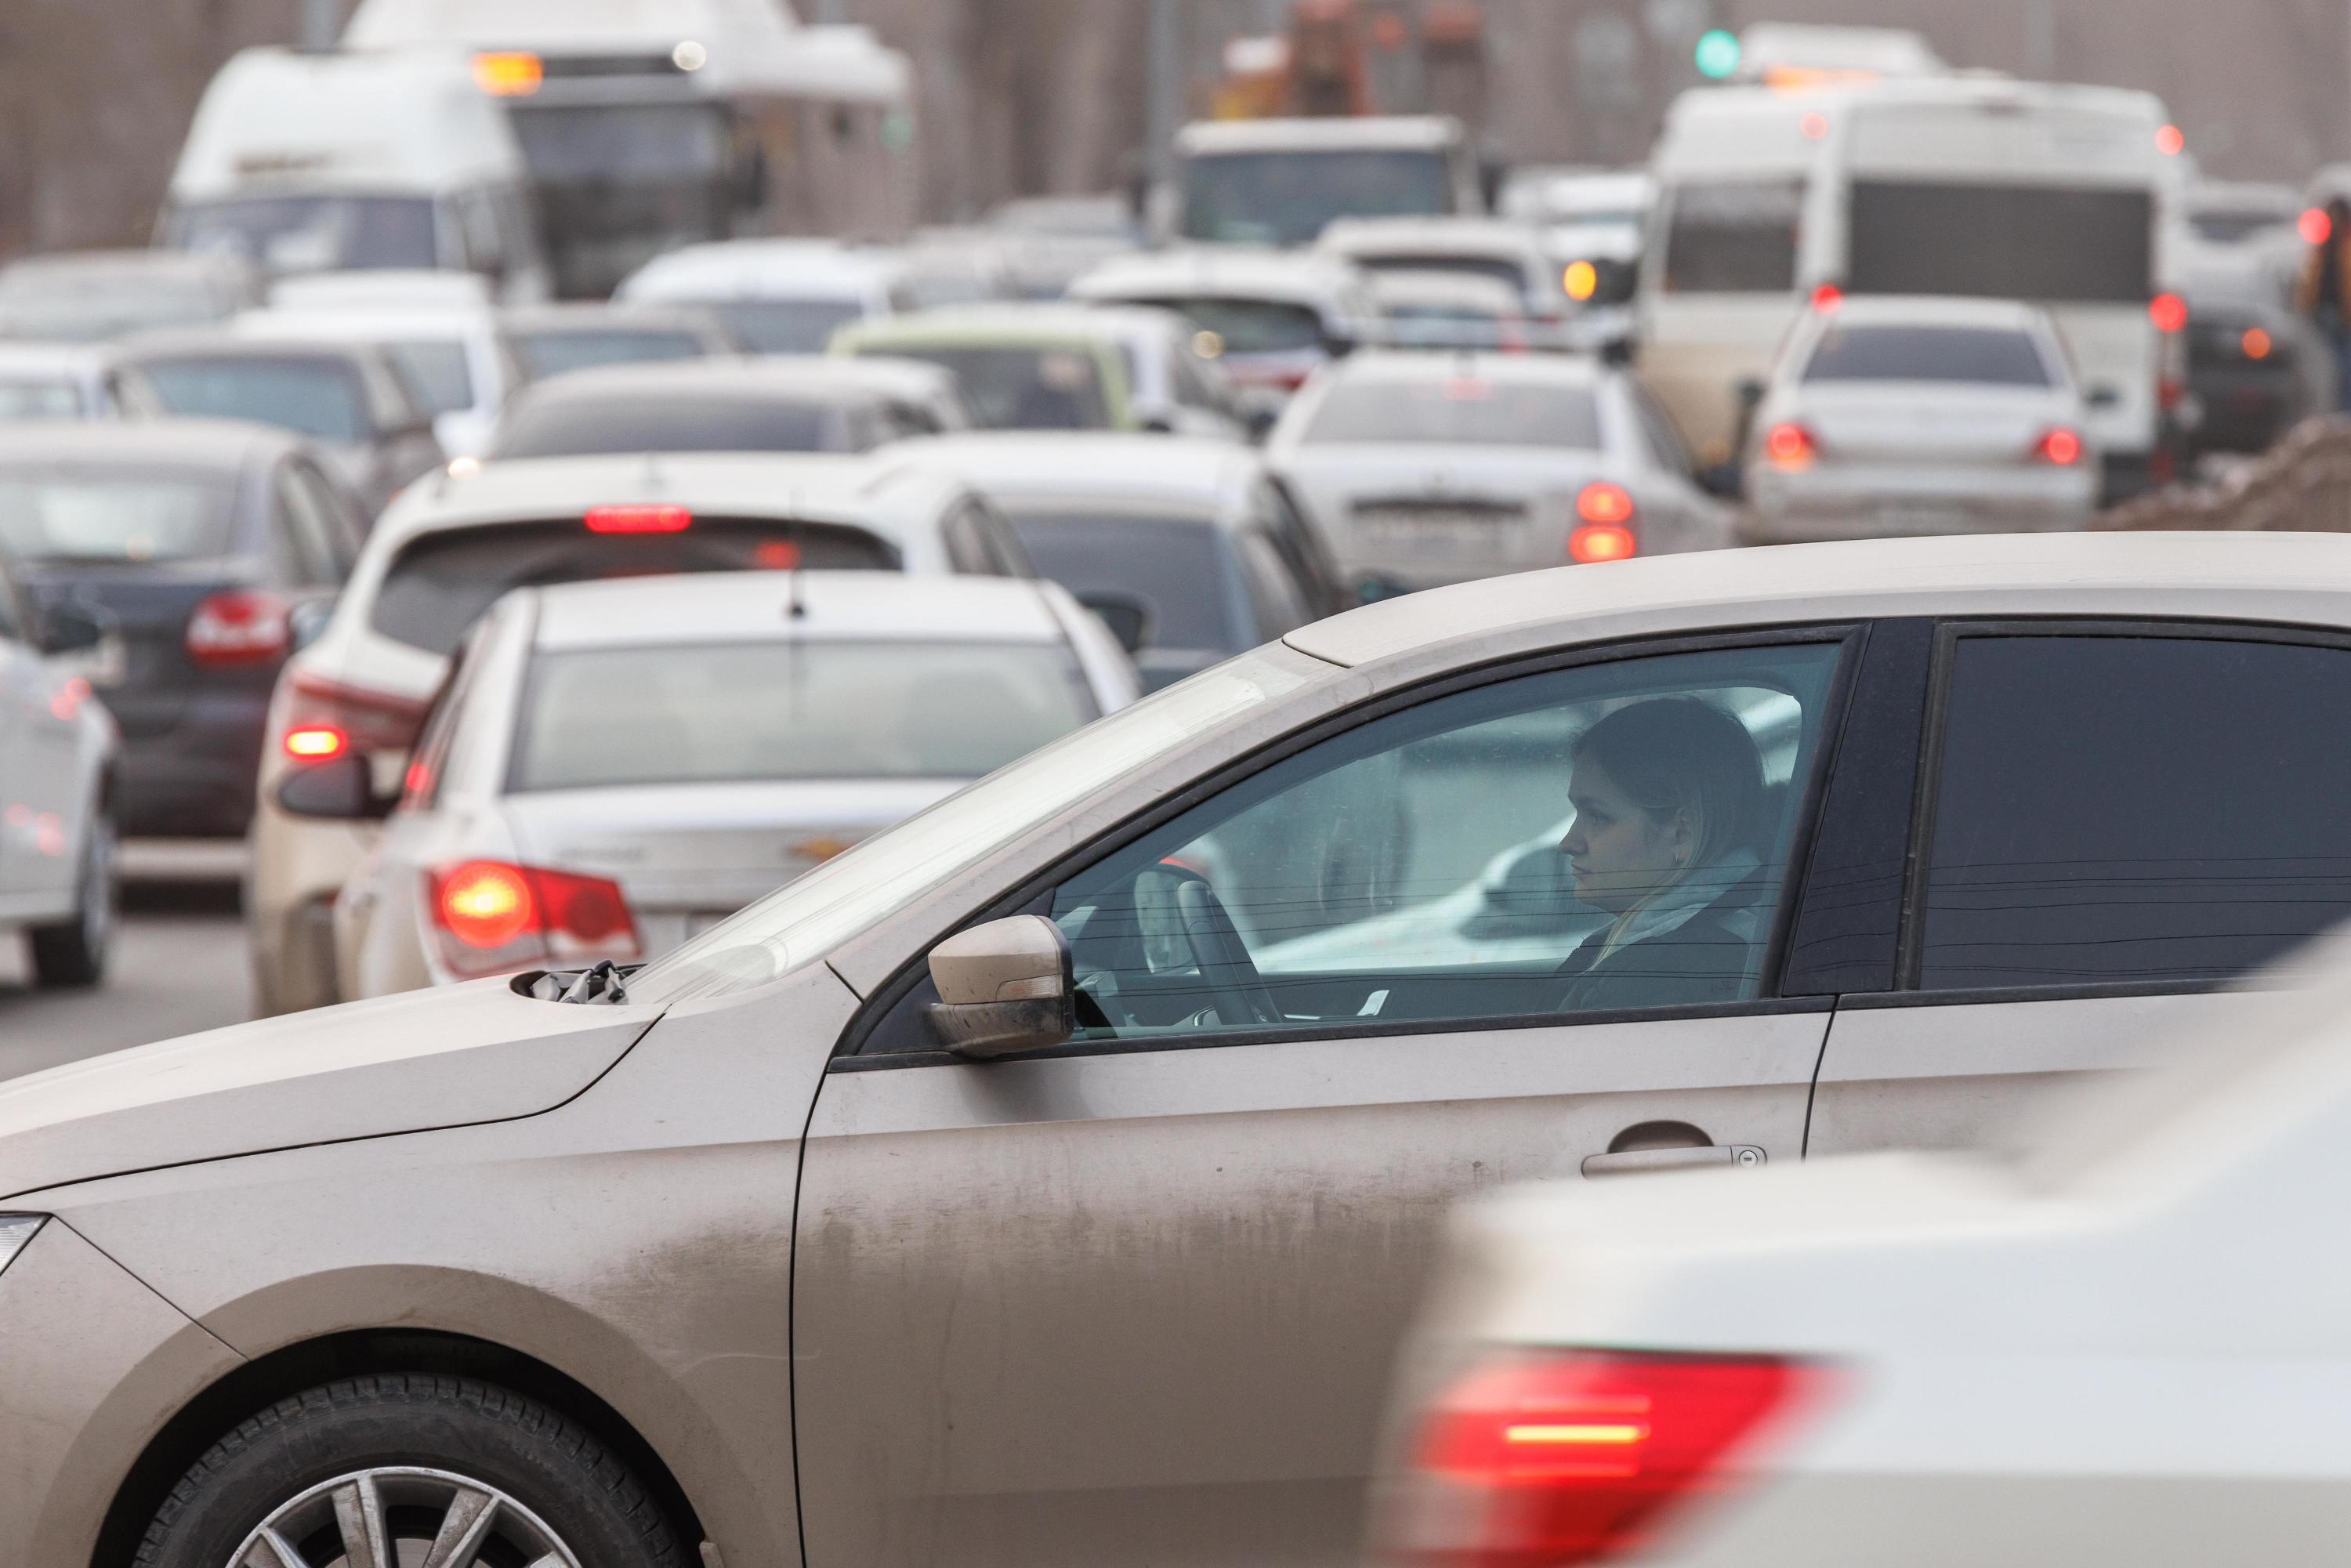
(67,380)
(2125,1345)
(1498,249)
(1272,317)
(1050,241)
(1425,469)
(776,295)
(1900,415)
(449,547)
(775,720)
(579,335)
(1448,310)
(89,296)
(769,402)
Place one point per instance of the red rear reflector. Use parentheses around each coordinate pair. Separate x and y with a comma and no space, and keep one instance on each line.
(1601,502)
(643,519)
(1595,542)
(1789,446)
(490,916)
(2314,225)
(2168,311)
(776,555)
(316,743)
(2060,447)
(1548,1461)
(1827,297)
(240,626)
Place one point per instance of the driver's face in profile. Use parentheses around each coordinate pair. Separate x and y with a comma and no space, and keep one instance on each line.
(1619,853)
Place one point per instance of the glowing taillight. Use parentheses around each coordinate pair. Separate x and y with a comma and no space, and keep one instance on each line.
(368,720)
(639,519)
(1601,502)
(2168,312)
(2170,140)
(1546,1461)
(489,916)
(1827,297)
(2314,225)
(239,626)
(2255,344)
(1596,542)
(2060,447)
(1789,446)
(316,743)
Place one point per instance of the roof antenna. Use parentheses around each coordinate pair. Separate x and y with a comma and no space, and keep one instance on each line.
(797,605)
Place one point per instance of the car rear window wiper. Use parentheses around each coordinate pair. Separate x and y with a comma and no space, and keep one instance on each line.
(602,984)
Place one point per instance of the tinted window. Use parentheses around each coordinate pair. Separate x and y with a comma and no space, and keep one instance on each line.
(1016,388)
(318,397)
(2003,242)
(749,711)
(1171,564)
(305,534)
(440,584)
(786,326)
(40,400)
(1471,858)
(552,353)
(1275,593)
(571,427)
(439,379)
(1464,410)
(1253,325)
(2118,809)
(311,234)
(94,516)
(1734,237)
(1500,268)
(1288,198)
(1851,353)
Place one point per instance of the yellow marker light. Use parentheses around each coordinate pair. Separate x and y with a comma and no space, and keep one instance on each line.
(1609,1436)
(1581,280)
(512,74)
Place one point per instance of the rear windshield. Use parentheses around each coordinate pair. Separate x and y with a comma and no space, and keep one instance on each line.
(1016,388)
(318,397)
(115,516)
(438,586)
(1171,564)
(39,400)
(553,353)
(768,711)
(1499,268)
(1253,325)
(1926,354)
(574,427)
(1288,198)
(786,326)
(439,380)
(2002,242)
(1734,236)
(1467,409)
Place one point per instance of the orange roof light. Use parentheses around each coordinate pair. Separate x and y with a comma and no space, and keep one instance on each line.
(1581,280)
(510,73)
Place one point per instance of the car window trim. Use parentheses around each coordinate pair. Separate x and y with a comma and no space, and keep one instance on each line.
(1034,895)
(1950,632)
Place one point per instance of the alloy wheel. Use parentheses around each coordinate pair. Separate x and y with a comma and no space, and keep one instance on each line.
(404,1517)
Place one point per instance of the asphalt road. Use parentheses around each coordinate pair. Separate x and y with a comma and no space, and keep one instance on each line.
(178,965)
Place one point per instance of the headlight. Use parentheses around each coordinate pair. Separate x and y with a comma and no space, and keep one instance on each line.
(16,1230)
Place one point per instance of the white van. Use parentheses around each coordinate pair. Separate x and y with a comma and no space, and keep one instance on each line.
(316,162)
(2062,196)
(1280,181)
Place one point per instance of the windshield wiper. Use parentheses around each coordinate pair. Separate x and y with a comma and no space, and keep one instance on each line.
(601,984)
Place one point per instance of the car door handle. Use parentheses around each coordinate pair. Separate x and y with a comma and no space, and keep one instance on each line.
(1633,1162)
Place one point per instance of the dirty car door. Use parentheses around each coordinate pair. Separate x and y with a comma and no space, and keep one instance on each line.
(1134,1299)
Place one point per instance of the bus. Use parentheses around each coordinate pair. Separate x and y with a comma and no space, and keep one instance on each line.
(1771,199)
(1281,181)
(644,127)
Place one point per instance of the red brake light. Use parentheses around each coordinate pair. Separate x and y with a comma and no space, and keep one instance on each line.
(316,743)
(2168,311)
(489,916)
(1601,502)
(2170,140)
(2060,447)
(1596,542)
(1548,1460)
(239,626)
(2256,343)
(2314,225)
(1789,446)
(1827,297)
(639,519)
(369,721)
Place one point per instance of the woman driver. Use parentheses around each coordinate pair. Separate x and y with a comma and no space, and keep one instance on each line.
(1668,798)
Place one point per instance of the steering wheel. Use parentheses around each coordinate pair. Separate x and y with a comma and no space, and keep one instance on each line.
(1226,968)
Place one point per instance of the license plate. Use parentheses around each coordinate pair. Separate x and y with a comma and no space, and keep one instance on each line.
(1438,533)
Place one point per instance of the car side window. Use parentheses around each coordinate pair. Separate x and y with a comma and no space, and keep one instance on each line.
(1594,839)
(302,533)
(1665,445)
(345,530)
(1299,544)
(1278,599)
(982,544)
(2128,809)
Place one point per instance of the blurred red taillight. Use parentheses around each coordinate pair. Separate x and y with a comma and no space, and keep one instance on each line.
(367,720)
(643,519)
(2060,447)
(489,916)
(1827,297)
(2314,225)
(1595,542)
(1548,1459)
(238,626)
(1600,502)
(1789,446)
(2168,312)
(316,743)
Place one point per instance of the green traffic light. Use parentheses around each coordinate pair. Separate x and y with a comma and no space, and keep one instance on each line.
(1718,54)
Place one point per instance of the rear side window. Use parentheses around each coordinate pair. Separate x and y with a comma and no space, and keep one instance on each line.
(1458,411)
(1980,354)
(1019,388)
(552,352)
(576,427)
(1170,564)
(1734,237)
(2135,809)
(439,585)
(321,398)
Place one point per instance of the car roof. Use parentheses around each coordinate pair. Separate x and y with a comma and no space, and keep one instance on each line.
(223,444)
(599,315)
(363,321)
(134,263)
(1433,364)
(757,606)
(1431,286)
(60,359)
(787,378)
(1938,310)
(217,343)
(1196,473)
(763,268)
(1337,133)
(1009,322)
(1236,271)
(2301,579)
(1443,236)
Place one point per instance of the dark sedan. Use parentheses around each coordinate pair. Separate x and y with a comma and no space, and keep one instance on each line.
(207,548)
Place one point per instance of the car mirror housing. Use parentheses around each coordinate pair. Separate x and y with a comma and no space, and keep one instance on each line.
(1128,618)
(1005,987)
(73,626)
(342,789)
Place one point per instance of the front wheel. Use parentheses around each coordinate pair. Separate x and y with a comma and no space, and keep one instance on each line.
(73,951)
(392,1471)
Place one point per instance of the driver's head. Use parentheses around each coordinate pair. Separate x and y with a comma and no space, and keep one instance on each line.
(1660,789)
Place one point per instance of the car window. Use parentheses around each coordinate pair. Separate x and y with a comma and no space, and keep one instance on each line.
(786,326)
(2134,808)
(1657,431)
(40,400)
(440,379)
(577,427)
(12,617)
(1012,387)
(969,544)
(428,763)
(117,515)
(1297,542)
(1606,837)
(303,535)
(1171,564)
(344,528)
(553,351)
(1733,236)
(1250,326)
(1903,353)
(320,398)
(1460,410)
(1276,597)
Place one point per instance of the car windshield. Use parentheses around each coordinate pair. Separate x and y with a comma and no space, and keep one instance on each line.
(574,427)
(814,913)
(748,711)
(786,326)
(1253,325)
(1501,270)
(438,376)
(1171,565)
(67,307)
(601,144)
(1465,410)
(439,584)
(312,233)
(1985,355)
(1017,387)
(320,398)
(1288,198)
(39,400)
(82,516)
(554,350)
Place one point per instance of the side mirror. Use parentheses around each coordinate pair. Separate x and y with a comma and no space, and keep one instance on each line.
(1259,419)
(1725,481)
(1339,345)
(1005,987)
(1618,351)
(343,790)
(1128,618)
(73,626)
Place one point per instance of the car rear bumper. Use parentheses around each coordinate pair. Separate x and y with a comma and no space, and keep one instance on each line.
(1894,502)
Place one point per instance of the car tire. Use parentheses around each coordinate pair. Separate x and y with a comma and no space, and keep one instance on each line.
(73,951)
(409,1457)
